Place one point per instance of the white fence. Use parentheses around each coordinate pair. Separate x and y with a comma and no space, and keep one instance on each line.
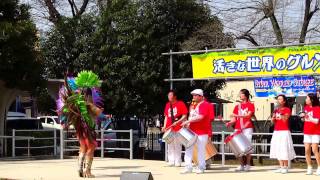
(61,148)
(222,151)
(102,139)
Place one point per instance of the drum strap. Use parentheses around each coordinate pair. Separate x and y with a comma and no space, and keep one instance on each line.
(240,113)
(171,112)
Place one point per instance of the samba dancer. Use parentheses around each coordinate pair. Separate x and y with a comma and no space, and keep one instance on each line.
(78,105)
(175,112)
(241,117)
(199,122)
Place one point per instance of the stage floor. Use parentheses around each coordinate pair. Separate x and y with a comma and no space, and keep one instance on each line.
(108,168)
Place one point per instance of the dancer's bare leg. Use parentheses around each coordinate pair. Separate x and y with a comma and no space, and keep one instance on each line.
(89,159)
(82,154)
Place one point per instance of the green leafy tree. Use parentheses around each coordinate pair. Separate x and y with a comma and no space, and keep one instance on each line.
(20,61)
(45,103)
(124,45)
(133,36)
(70,46)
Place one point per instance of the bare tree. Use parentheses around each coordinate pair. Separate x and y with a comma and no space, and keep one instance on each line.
(209,36)
(308,14)
(263,22)
(54,10)
(54,15)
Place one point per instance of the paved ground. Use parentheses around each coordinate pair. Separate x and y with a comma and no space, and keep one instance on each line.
(111,169)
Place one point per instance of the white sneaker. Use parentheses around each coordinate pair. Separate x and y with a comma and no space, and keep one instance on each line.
(199,171)
(170,164)
(247,168)
(309,171)
(278,170)
(284,170)
(186,171)
(240,168)
(177,164)
(318,172)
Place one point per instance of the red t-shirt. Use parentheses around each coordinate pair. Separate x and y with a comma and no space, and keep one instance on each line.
(280,124)
(245,108)
(211,116)
(204,125)
(310,127)
(179,109)
(211,111)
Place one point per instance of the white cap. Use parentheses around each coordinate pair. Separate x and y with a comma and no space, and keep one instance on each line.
(197,92)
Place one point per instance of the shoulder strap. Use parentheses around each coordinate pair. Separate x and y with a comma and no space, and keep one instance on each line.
(171,112)
(241,119)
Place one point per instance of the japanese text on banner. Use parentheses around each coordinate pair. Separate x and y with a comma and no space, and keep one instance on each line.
(302,60)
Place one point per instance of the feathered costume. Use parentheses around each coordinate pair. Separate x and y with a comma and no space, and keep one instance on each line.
(79,105)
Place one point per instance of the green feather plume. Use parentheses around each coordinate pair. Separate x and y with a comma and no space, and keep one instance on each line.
(87,79)
(79,101)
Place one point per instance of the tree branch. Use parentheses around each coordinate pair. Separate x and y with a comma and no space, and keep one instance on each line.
(255,24)
(315,28)
(75,7)
(72,8)
(54,15)
(249,38)
(234,9)
(306,20)
(83,7)
(269,12)
(246,35)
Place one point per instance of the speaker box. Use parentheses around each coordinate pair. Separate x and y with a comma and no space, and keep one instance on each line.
(128,175)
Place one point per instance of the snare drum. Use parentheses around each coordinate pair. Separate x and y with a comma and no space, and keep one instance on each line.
(239,144)
(168,136)
(186,137)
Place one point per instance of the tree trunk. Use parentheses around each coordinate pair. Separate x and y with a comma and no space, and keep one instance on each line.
(7,96)
(276,29)
(269,12)
(306,20)
(54,15)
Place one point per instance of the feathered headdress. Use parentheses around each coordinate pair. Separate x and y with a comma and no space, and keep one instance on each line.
(87,79)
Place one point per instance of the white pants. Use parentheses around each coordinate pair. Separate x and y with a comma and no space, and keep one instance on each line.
(174,152)
(201,143)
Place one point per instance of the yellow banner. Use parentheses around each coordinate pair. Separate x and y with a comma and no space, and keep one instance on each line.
(297,60)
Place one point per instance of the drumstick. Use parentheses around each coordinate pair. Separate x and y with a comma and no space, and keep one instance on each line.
(224,123)
(173,124)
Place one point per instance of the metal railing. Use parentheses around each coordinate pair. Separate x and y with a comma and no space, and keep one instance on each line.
(32,138)
(60,141)
(64,138)
(17,138)
(223,148)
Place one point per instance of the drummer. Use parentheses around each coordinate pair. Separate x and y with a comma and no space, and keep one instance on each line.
(175,112)
(199,122)
(212,116)
(241,117)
